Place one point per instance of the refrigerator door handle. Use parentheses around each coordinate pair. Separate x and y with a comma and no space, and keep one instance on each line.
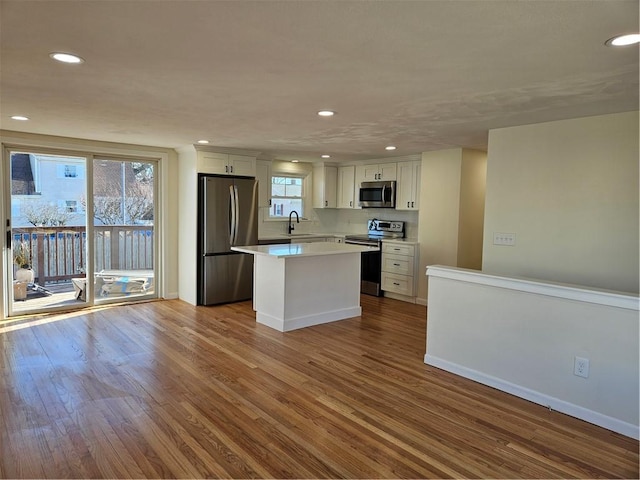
(232,214)
(237,207)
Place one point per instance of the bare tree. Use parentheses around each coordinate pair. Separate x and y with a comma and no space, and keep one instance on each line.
(108,208)
(40,214)
(139,202)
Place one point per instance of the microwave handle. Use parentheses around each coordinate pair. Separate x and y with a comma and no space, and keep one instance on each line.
(383,189)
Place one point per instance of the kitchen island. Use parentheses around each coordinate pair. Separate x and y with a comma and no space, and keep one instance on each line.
(302,284)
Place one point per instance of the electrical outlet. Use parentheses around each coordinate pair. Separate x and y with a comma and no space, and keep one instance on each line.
(581,367)
(504,239)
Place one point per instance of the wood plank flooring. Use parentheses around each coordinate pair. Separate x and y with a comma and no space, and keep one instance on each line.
(167,390)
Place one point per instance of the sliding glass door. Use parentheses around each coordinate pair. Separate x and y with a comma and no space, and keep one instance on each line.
(48,248)
(123,229)
(82,230)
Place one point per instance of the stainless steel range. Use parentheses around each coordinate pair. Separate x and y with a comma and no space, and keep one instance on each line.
(371,264)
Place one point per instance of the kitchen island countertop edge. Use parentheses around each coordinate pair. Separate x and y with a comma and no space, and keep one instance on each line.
(302,249)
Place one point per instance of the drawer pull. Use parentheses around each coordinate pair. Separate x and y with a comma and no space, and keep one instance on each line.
(396,284)
(396,264)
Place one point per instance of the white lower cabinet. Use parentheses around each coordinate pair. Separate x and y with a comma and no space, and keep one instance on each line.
(401,284)
(398,268)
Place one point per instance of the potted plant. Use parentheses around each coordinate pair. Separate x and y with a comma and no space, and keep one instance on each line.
(22,258)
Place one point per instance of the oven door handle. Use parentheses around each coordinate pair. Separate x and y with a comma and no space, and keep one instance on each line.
(363,243)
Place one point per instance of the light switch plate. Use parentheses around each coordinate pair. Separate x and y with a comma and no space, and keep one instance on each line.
(508,239)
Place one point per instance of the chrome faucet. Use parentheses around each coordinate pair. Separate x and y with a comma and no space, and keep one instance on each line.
(290,227)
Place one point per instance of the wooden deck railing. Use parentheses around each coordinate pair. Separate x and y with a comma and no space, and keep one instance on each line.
(59,253)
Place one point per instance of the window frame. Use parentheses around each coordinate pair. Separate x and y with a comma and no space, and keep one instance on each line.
(303,197)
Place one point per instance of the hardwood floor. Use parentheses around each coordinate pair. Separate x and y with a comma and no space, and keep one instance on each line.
(166,390)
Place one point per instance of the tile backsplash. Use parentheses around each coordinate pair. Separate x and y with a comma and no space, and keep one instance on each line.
(335,220)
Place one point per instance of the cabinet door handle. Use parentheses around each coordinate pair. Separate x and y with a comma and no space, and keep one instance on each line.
(231,167)
(407,204)
(226,169)
(326,203)
(411,204)
(351,203)
(269,202)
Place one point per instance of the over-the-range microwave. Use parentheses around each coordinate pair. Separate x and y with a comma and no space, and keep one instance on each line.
(377,194)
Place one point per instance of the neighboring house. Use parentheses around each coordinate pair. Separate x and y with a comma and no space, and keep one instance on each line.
(45,181)
(57,184)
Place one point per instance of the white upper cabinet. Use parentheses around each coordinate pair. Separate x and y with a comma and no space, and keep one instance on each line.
(263,174)
(408,186)
(242,165)
(375,172)
(346,187)
(226,164)
(325,183)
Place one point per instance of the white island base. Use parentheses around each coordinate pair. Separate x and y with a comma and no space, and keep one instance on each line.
(301,285)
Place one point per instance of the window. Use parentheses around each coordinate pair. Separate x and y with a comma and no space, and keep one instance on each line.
(70,171)
(286,195)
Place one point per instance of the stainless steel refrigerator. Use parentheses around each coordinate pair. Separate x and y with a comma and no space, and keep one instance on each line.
(228,217)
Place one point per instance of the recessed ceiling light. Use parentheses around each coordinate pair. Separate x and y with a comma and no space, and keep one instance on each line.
(66,57)
(325,156)
(390,147)
(203,141)
(623,40)
(20,117)
(326,113)
(295,161)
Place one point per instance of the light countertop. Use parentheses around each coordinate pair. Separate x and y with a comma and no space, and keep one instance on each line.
(303,249)
(293,236)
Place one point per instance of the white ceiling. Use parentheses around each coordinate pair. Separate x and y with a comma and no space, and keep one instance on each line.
(422,75)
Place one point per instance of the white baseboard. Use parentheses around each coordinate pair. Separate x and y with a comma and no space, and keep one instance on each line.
(307,321)
(171,296)
(557,404)
(397,296)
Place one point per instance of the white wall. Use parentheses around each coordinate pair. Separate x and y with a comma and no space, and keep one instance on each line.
(451,210)
(170,203)
(522,337)
(187,187)
(473,179)
(569,191)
